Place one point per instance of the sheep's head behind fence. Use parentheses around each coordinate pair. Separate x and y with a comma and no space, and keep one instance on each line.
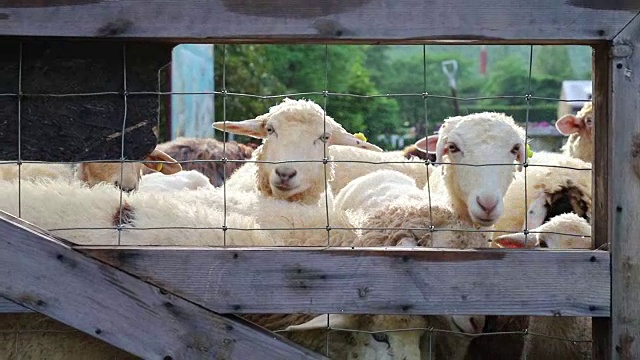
(125,175)
(478,139)
(294,130)
(370,342)
(579,128)
(565,231)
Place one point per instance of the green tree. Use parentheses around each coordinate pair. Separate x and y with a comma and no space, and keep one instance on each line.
(246,71)
(553,61)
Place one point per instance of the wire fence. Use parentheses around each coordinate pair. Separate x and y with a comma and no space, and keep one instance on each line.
(326,95)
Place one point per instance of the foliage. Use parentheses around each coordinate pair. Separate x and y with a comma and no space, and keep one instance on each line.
(302,72)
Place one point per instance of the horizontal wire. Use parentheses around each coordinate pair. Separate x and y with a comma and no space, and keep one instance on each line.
(298,94)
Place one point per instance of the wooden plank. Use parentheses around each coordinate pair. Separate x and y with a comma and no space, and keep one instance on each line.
(601,228)
(87,127)
(624,193)
(284,20)
(46,275)
(8,306)
(395,281)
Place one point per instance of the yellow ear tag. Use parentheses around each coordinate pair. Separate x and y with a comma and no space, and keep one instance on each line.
(159,167)
(360,136)
(529,152)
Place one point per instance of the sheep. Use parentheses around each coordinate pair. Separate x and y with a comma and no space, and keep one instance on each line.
(184,149)
(579,128)
(186,179)
(59,206)
(565,231)
(346,171)
(563,187)
(294,130)
(474,192)
(123,175)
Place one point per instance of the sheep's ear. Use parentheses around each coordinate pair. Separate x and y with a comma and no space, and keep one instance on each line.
(440,149)
(407,242)
(342,137)
(515,240)
(569,124)
(320,322)
(253,127)
(427,144)
(537,211)
(169,168)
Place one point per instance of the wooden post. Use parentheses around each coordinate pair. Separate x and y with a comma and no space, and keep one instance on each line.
(624,192)
(46,275)
(601,229)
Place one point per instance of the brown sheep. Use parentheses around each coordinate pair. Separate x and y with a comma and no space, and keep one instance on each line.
(184,149)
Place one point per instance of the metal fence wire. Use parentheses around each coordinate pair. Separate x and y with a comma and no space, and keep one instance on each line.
(326,95)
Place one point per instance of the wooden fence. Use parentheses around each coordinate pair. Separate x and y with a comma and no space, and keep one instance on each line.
(169,292)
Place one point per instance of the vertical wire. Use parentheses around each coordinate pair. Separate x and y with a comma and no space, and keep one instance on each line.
(20,130)
(325,95)
(224,145)
(425,96)
(526,156)
(124,127)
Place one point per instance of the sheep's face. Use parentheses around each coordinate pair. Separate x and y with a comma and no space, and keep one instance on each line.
(296,131)
(126,175)
(475,141)
(369,338)
(566,231)
(582,125)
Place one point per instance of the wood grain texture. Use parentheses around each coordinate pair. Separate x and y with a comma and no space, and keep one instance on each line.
(601,226)
(284,20)
(8,306)
(46,275)
(624,192)
(426,281)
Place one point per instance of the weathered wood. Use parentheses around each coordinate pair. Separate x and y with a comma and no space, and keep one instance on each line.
(425,281)
(601,226)
(624,192)
(284,20)
(8,306)
(46,275)
(75,128)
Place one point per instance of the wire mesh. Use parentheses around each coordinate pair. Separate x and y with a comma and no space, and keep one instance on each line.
(325,94)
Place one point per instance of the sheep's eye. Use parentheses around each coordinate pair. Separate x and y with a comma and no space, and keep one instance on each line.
(516,149)
(325,137)
(270,129)
(380,337)
(453,148)
(588,120)
(543,244)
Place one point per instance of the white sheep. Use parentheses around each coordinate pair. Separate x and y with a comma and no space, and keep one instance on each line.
(90,215)
(579,128)
(294,130)
(464,144)
(565,231)
(365,161)
(555,184)
(185,179)
(126,177)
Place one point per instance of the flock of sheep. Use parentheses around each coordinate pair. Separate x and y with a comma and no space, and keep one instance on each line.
(288,196)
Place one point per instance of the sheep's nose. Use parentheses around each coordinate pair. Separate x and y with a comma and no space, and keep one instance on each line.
(286,173)
(487,203)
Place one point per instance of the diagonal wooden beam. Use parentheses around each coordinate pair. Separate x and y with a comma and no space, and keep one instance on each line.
(46,275)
